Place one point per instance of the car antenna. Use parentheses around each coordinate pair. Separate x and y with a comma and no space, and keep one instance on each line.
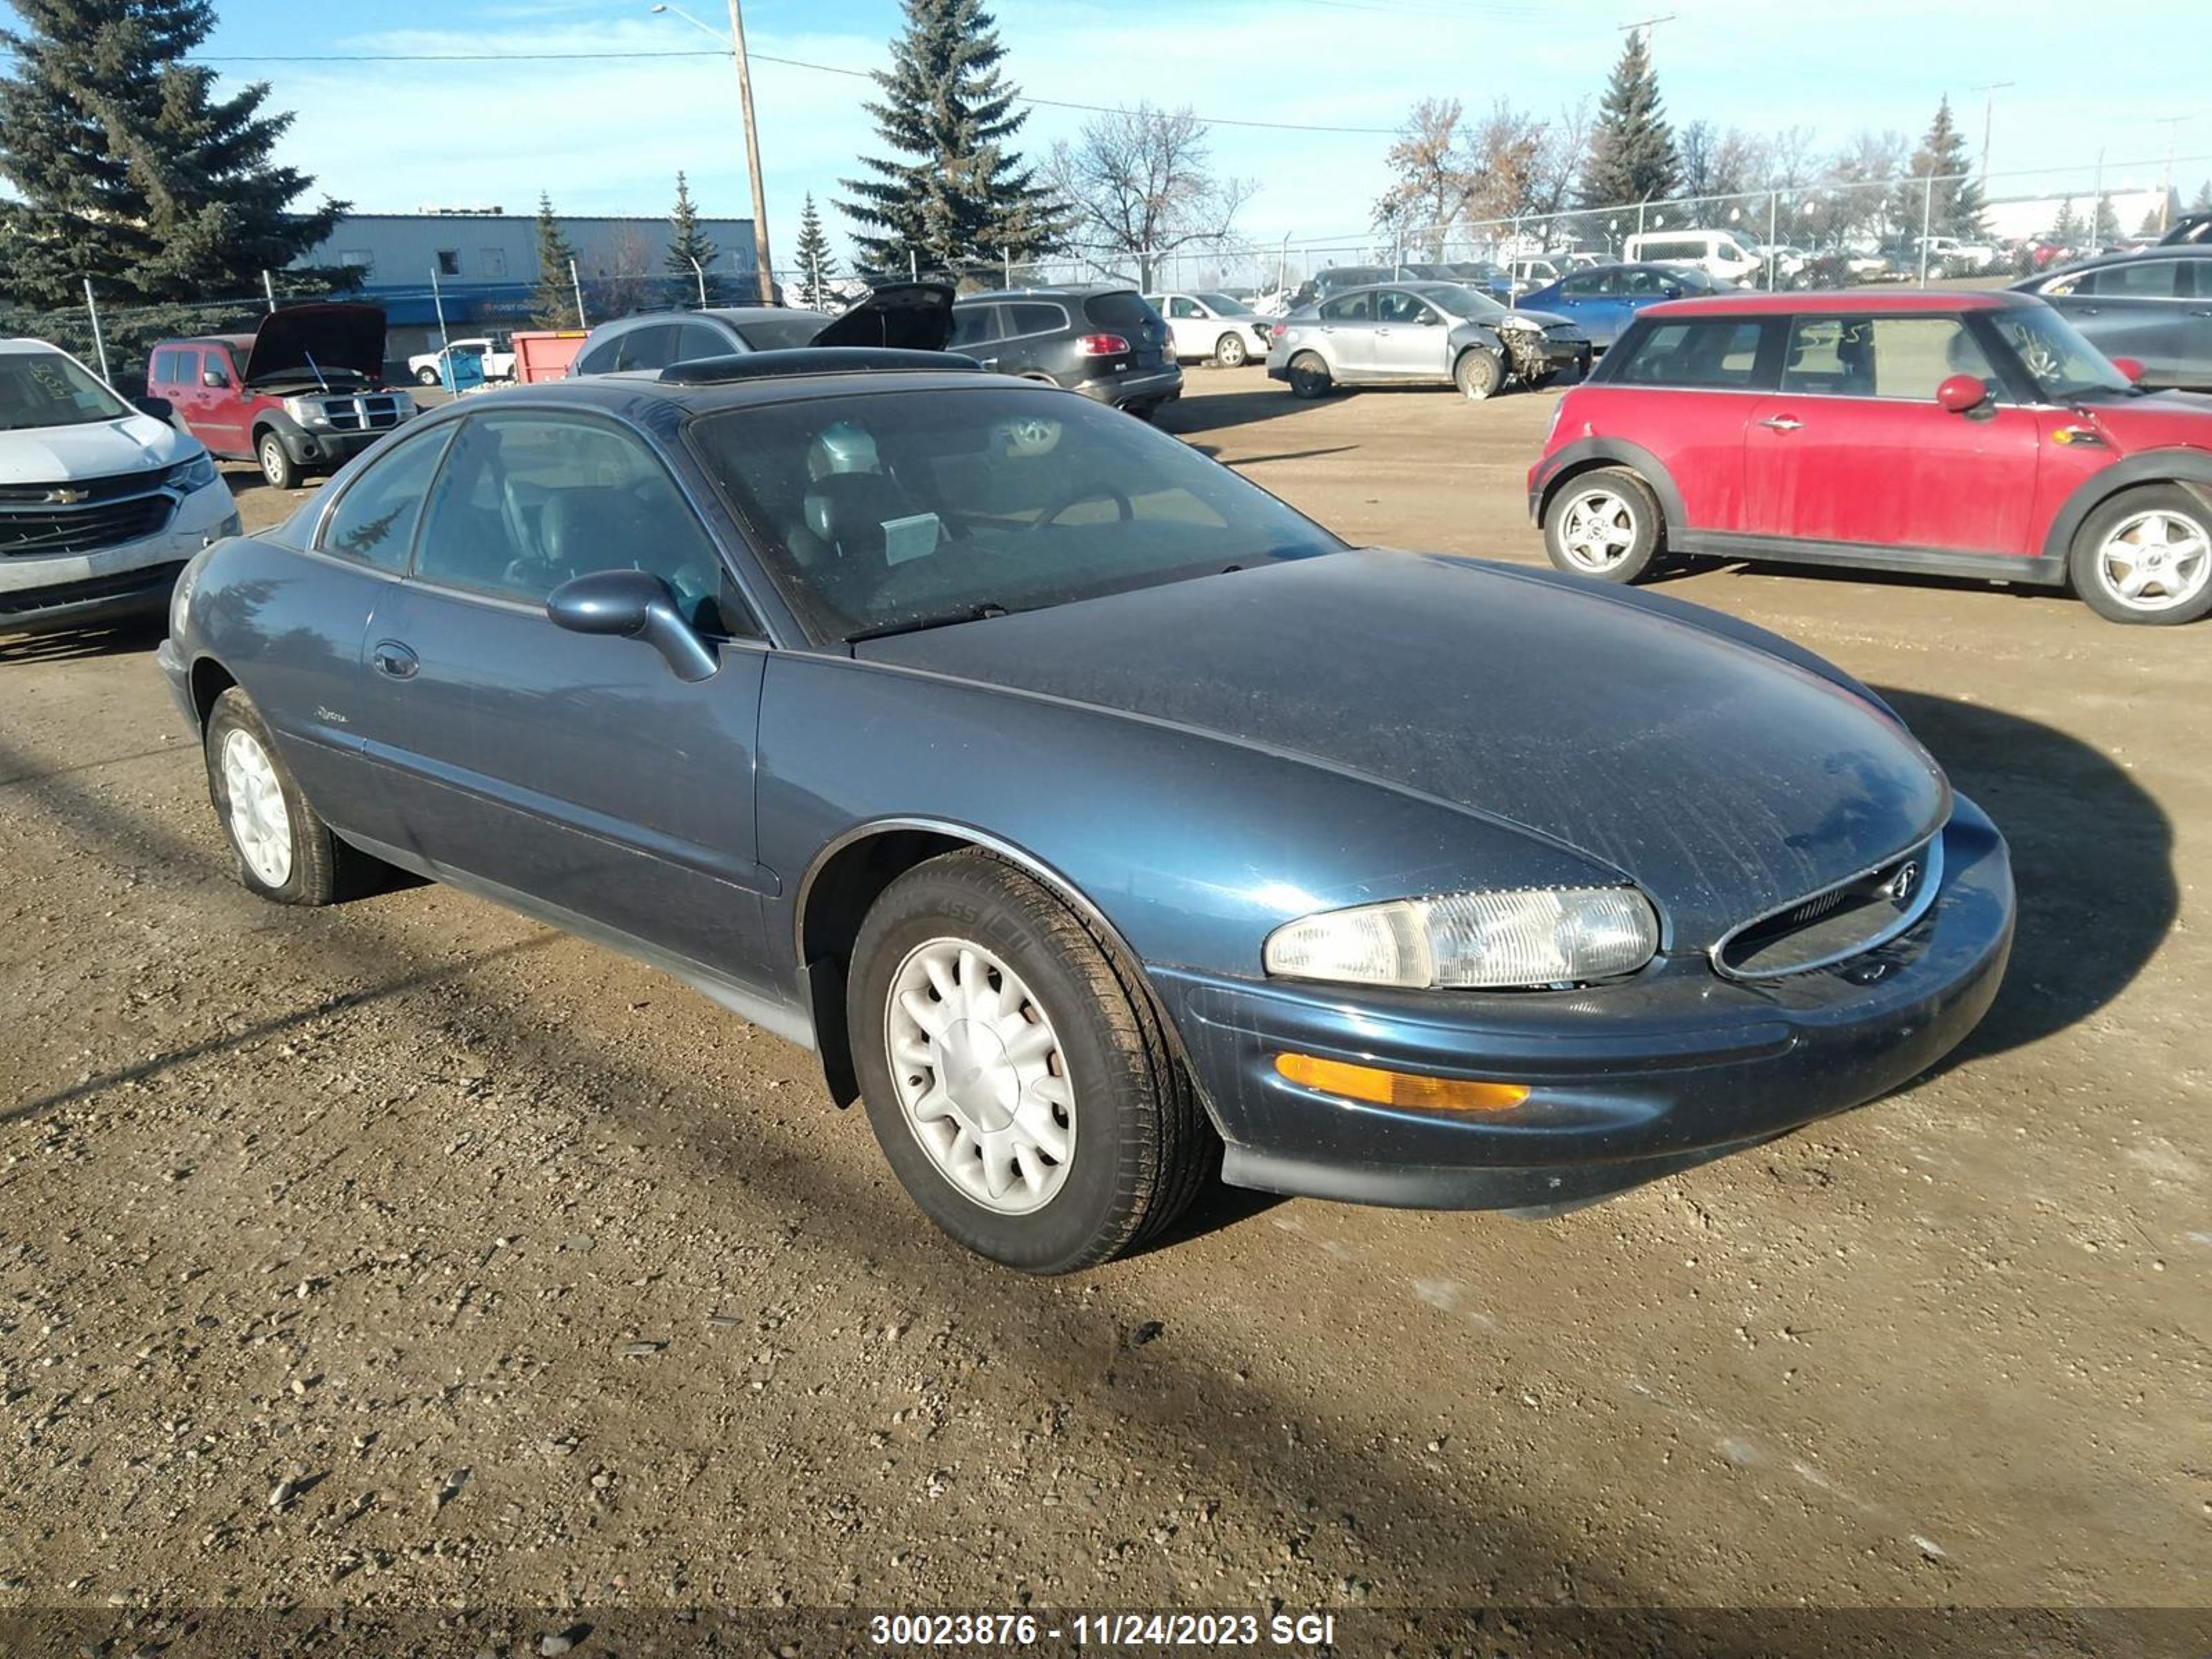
(317,370)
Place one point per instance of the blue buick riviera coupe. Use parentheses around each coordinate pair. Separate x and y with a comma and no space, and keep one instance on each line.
(1100,820)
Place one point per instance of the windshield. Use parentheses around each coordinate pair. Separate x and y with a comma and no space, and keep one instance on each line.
(2063,364)
(1463,302)
(1223,305)
(797,328)
(44,388)
(884,510)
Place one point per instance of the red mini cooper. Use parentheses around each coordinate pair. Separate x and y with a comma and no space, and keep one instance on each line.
(1958,434)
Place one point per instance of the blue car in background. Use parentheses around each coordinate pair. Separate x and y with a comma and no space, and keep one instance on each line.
(1101,821)
(1604,300)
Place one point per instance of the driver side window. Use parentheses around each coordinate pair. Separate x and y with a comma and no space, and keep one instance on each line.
(526,501)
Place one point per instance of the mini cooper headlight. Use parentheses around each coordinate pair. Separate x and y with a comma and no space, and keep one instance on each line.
(1518,939)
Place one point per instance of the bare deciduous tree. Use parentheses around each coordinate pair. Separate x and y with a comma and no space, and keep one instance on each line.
(1560,164)
(1141,181)
(1431,176)
(1508,148)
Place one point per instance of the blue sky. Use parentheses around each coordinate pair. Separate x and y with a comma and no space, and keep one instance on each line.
(608,137)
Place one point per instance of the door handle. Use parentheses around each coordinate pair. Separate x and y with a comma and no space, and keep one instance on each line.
(2086,311)
(394,660)
(1783,423)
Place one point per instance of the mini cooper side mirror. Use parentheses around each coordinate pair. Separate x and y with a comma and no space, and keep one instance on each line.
(1962,393)
(2130,367)
(632,605)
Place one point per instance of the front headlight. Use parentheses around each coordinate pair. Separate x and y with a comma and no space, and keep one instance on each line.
(1523,324)
(1518,939)
(185,477)
(306,411)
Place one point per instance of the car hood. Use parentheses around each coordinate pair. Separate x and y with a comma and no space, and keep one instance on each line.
(101,449)
(1542,319)
(334,336)
(2147,421)
(1722,780)
(910,316)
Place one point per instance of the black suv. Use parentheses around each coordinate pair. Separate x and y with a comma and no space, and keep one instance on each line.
(1106,342)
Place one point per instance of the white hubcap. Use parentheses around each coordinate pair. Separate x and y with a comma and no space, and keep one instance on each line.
(259,821)
(2156,561)
(979,1075)
(1598,531)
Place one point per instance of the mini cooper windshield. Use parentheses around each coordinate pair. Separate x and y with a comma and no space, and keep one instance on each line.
(2065,366)
(885,512)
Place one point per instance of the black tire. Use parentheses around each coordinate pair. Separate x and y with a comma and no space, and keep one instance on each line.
(1310,377)
(278,470)
(426,377)
(321,867)
(1229,351)
(1479,373)
(1141,1143)
(2090,570)
(1639,515)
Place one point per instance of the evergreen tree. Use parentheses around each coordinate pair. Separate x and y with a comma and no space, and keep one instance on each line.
(816,270)
(1954,202)
(1632,149)
(553,300)
(962,194)
(2107,223)
(2066,229)
(2202,202)
(688,243)
(129,169)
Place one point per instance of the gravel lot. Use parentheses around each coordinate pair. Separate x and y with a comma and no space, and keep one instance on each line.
(404,1253)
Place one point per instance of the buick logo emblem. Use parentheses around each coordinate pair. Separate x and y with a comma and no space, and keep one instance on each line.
(1899,887)
(65,497)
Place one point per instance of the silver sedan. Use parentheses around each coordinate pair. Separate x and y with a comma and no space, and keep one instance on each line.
(1402,333)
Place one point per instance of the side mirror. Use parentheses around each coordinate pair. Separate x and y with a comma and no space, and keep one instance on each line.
(160,408)
(213,377)
(632,605)
(1670,290)
(1430,320)
(2130,367)
(1961,393)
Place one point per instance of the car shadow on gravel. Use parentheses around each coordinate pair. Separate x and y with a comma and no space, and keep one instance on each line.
(2093,860)
(132,638)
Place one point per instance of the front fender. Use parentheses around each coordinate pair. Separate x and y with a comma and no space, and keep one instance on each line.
(2191,469)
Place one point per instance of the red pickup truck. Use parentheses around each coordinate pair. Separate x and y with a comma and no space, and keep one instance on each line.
(303,393)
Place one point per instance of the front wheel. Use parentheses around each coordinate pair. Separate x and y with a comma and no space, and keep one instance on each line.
(1017,1078)
(1605,524)
(2146,556)
(426,377)
(1229,351)
(1479,373)
(276,464)
(286,853)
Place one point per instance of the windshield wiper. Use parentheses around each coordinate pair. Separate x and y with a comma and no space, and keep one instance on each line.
(938,619)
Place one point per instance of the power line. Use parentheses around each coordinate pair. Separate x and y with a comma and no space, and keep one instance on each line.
(757,57)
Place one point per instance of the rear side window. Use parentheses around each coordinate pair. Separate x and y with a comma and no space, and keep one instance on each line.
(973,324)
(1718,354)
(161,369)
(1355,307)
(653,346)
(697,340)
(1032,317)
(600,359)
(1123,308)
(1587,284)
(375,520)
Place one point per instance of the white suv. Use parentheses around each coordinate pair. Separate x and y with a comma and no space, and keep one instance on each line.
(101,503)
(1716,252)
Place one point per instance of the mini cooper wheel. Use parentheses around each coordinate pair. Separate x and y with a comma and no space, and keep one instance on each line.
(1308,376)
(276,464)
(285,853)
(1605,524)
(1229,351)
(1479,373)
(2146,557)
(1017,1080)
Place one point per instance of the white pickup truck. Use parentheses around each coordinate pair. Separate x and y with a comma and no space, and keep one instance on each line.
(429,368)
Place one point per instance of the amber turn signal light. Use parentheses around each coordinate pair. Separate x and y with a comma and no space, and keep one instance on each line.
(1403,1088)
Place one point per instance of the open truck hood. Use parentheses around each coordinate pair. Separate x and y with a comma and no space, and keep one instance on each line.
(335,336)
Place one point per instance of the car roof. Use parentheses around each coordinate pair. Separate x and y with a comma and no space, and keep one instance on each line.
(1056,291)
(235,341)
(630,394)
(1844,301)
(2156,251)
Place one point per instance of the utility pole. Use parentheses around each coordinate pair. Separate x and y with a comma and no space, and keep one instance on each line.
(2166,196)
(736,46)
(1989,89)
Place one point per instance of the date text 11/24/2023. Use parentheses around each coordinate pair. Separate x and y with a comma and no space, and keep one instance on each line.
(1102,1630)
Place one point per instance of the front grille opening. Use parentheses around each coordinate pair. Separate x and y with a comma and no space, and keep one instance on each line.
(30,532)
(1837,924)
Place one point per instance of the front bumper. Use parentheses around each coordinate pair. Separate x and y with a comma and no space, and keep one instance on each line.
(1150,387)
(1628,1082)
(41,594)
(312,447)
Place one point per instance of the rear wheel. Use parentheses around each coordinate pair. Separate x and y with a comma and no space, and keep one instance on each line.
(1479,373)
(286,853)
(1605,524)
(1229,351)
(276,464)
(1017,1078)
(1308,376)
(2146,556)
(426,377)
